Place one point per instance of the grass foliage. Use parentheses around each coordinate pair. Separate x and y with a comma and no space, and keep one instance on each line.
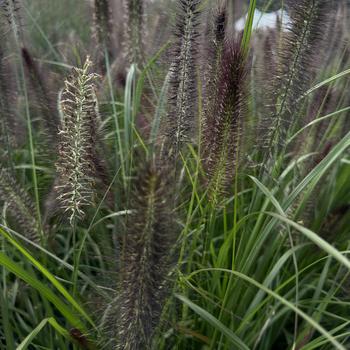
(168,182)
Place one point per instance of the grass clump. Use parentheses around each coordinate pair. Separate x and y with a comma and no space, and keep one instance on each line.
(185,188)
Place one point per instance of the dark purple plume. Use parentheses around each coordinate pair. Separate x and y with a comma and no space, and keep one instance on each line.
(302,49)
(180,120)
(40,91)
(224,122)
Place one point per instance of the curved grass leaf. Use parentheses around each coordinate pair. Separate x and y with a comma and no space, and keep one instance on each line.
(315,239)
(31,336)
(328,81)
(281,299)
(214,322)
(43,290)
(48,275)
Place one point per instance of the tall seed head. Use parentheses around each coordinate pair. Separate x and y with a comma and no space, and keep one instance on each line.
(302,44)
(134,31)
(41,93)
(102,28)
(180,120)
(19,205)
(11,129)
(224,120)
(75,166)
(147,257)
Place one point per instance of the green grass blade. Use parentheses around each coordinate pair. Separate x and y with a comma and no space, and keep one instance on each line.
(248,28)
(315,175)
(328,81)
(214,322)
(318,120)
(128,111)
(283,301)
(5,320)
(48,275)
(44,291)
(31,336)
(269,195)
(315,239)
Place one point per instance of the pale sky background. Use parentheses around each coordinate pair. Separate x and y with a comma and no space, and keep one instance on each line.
(264,20)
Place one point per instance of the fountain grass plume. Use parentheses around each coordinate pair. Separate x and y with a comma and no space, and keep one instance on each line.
(102,26)
(223,124)
(180,120)
(76,168)
(10,125)
(134,31)
(147,257)
(19,205)
(41,93)
(301,50)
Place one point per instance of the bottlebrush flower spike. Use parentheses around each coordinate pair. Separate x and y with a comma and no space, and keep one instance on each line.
(134,30)
(214,43)
(213,58)
(223,125)
(11,128)
(102,25)
(19,205)
(180,119)
(297,63)
(41,93)
(10,9)
(76,167)
(147,257)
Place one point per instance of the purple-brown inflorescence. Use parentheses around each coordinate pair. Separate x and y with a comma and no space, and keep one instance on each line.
(102,28)
(147,257)
(214,44)
(11,11)
(134,31)
(298,57)
(41,93)
(11,126)
(11,130)
(19,205)
(224,121)
(180,119)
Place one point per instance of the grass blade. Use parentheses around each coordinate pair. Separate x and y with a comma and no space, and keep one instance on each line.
(214,322)
(248,28)
(31,336)
(285,302)
(315,239)
(48,275)
(43,290)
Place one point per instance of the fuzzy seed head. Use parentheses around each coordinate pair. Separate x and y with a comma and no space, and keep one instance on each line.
(180,120)
(147,251)
(134,31)
(224,121)
(19,205)
(302,44)
(75,166)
